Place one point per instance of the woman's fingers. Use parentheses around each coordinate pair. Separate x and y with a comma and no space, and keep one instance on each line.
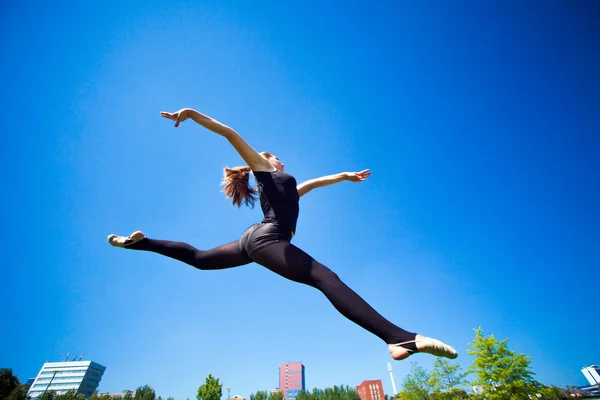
(360,176)
(169,115)
(178,117)
(363,174)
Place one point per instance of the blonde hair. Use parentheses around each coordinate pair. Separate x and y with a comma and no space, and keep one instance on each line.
(236,184)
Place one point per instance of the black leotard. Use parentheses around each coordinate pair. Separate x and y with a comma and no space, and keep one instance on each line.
(278,198)
(279,202)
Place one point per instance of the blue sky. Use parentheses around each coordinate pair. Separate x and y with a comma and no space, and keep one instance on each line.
(479,121)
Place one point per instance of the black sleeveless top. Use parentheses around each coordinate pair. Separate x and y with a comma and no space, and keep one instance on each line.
(279,198)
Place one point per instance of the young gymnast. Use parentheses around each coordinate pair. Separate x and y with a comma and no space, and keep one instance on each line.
(268,242)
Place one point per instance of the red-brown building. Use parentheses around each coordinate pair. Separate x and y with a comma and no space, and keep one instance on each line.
(371,390)
(291,379)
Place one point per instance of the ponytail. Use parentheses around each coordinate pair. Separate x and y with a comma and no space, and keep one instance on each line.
(236,185)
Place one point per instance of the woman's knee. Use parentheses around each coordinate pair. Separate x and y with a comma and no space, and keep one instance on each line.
(323,275)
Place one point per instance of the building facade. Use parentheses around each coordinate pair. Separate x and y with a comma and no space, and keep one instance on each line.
(291,379)
(370,390)
(60,377)
(592,374)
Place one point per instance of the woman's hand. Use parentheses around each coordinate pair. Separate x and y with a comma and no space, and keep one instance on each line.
(358,176)
(178,116)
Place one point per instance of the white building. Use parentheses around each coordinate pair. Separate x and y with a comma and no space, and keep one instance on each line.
(60,377)
(592,374)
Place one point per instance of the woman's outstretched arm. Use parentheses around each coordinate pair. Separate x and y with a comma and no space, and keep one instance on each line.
(311,184)
(251,156)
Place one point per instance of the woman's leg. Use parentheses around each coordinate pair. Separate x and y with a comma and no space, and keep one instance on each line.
(226,256)
(290,262)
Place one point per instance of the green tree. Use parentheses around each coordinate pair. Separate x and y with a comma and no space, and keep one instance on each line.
(403,395)
(454,394)
(307,395)
(260,395)
(302,395)
(340,393)
(210,390)
(416,384)
(276,395)
(8,382)
(127,395)
(70,395)
(351,393)
(144,393)
(502,373)
(97,396)
(19,393)
(446,377)
(48,395)
(553,393)
(335,393)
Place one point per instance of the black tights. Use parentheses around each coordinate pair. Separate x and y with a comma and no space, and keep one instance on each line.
(287,260)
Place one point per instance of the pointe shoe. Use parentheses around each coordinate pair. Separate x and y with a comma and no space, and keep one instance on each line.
(124,241)
(424,345)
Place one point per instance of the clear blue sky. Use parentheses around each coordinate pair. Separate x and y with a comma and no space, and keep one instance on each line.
(479,120)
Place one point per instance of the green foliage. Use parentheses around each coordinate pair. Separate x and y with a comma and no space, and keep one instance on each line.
(342,392)
(48,395)
(19,393)
(144,393)
(302,395)
(447,377)
(127,396)
(105,396)
(416,385)
(96,396)
(8,382)
(70,395)
(454,394)
(275,396)
(260,395)
(553,393)
(210,390)
(403,395)
(445,382)
(501,372)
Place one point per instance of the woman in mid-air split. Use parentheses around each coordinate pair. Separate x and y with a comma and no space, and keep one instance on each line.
(268,243)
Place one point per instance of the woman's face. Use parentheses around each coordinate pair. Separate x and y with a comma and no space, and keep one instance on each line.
(276,163)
